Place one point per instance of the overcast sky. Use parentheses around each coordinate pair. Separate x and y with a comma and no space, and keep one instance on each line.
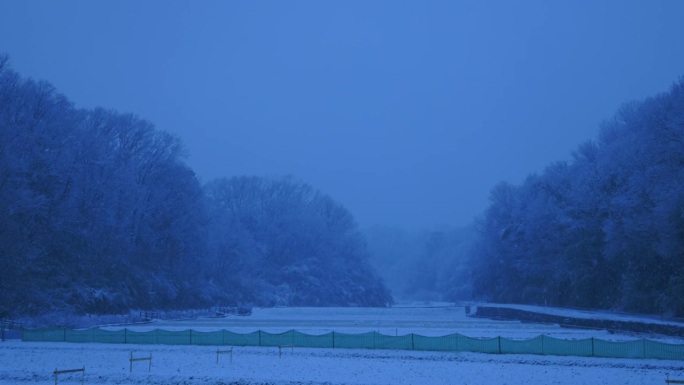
(406,112)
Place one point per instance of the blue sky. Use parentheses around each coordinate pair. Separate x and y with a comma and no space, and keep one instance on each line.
(406,112)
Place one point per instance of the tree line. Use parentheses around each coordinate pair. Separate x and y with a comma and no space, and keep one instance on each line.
(603,230)
(100,213)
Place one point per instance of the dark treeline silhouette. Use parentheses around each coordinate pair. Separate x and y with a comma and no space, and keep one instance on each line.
(99,213)
(604,230)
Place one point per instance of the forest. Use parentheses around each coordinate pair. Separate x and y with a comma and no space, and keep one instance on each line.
(99,213)
(603,230)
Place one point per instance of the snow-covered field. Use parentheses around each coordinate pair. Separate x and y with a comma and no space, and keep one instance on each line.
(24,362)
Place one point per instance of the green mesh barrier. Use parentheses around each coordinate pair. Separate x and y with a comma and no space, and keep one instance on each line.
(235,339)
(268,339)
(559,347)
(43,335)
(531,346)
(478,345)
(663,351)
(133,337)
(166,337)
(622,349)
(590,347)
(393,342)
(447,343)
(81,335)
(313,341)
(32,335)
(108,336)
(355,341)
(207,338)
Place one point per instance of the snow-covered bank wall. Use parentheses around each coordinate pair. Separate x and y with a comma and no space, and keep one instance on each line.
(540,315)
(543,345)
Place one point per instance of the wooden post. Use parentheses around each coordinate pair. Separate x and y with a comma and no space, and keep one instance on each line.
(58,372)
(149,369)
(224,351)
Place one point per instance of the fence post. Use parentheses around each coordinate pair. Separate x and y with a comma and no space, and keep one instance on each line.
(592,347)
(125,336)
(333,339)
(218,351)
(259,337)
(499,338)
(413,346)
(58,372)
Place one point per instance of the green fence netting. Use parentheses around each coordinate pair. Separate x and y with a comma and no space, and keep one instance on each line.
(543,345)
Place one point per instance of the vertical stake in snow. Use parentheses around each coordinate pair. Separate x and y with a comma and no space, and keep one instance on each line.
(132,359)
(499,338)
(229,351)
(58,372)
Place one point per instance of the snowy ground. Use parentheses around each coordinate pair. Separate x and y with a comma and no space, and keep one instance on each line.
(23,362)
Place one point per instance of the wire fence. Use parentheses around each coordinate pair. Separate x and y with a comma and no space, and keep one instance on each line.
(543,345)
